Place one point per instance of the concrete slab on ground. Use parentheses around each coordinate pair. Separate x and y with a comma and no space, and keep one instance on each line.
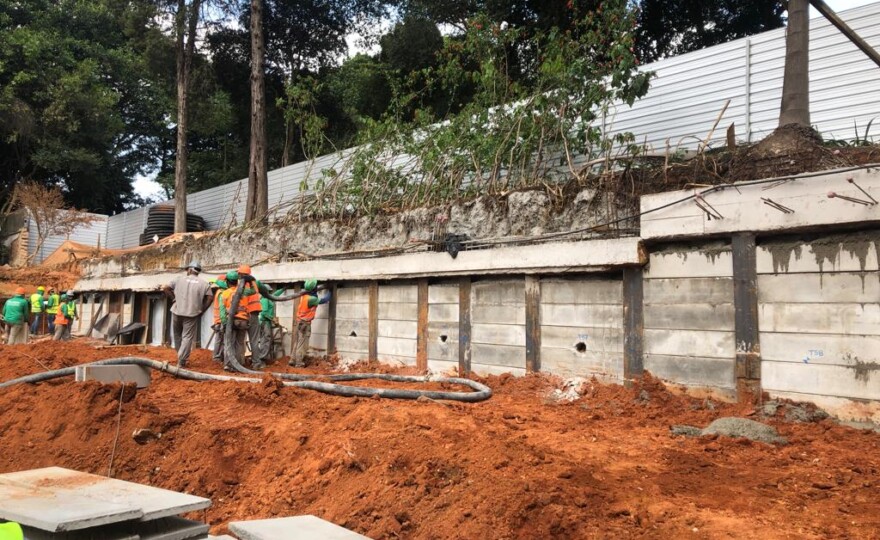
(292,528)
(139,375)
(172,528)
(56,499)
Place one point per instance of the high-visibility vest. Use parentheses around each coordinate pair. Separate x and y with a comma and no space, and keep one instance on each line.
(305,312)
(61,317)
(217,296)
(242,312)
(54,302)
(11,531)
(252,301)
(36,303)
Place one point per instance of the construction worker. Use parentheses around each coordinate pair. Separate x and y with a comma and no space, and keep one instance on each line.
(38,305)
(11,531)
(251,299)
(62,322)
(267,326)
(15,315)
(52,304)
(191,296)
(72,315)
(219,286)
(305,314)
(240,319)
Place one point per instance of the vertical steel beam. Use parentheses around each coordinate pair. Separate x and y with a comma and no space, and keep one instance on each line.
(745,302)
(464,326)
(373,350)
(533,324)
(422,327)
(633,323)
(331,321)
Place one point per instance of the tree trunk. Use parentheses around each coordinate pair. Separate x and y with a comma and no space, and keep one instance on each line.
(258,194)
(185,48)
(796,82)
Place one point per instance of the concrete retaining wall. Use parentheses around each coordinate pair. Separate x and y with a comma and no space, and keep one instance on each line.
(689,316)
(398,323)
(582,327)
(498,330)
(443,320)
(352,322)
(820,320)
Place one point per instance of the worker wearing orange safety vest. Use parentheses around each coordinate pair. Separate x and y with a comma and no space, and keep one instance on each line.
(305,314)
(62,321)
(251,299)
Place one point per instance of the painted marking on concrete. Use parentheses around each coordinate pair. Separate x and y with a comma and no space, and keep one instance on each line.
(292,528)
(56,499)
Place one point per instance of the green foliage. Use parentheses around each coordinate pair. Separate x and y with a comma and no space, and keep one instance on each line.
(509,135)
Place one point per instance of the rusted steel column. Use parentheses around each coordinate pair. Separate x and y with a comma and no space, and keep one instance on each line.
(745,302)
(331,321)
(422,330)
(373,350)
(533,324)
(633,324)
(464,326)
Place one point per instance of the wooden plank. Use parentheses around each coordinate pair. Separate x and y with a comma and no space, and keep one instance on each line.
(745,300)
(692,370)
(331,319)
(374,320)
(570,363)
(705,262)
(581,291)
(422,325)
(690,316)
(711,290)
(596,315)
(710,344)
(825,380)
(633,323)
(861,319)
(832,349)
(827,287)
(533,324)
(464,326)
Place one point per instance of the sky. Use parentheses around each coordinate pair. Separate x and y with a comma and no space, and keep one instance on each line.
(146,187)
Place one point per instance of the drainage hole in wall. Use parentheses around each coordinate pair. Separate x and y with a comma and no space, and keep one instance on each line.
(353,334)
(443,338)
(580,346)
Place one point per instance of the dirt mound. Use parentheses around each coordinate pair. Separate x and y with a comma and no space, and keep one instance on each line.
(32,277)
(516,466)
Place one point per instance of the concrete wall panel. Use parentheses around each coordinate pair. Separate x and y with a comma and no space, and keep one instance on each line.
(832,349)
(696,263)
(820,318)
(825,380)
(569,362)
(713,290)
(691,316)
(595,315)
(827,287)
(690,343)
(599,340)
(692,370)
(581,291)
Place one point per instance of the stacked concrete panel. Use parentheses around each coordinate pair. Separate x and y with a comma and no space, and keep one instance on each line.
(689,317)
(819,319)
(398,323)
(352,322)
(582,327)
(443,327)
(320,326)
(498,331)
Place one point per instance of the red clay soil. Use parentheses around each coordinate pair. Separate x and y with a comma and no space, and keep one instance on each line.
(33,276)
(516,466)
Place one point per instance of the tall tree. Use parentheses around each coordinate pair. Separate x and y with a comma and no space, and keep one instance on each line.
(258,185)
(672,27)
(795,107)
(186,22)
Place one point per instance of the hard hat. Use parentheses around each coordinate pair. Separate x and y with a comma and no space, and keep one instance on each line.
(195,266)
(244,269)
(41,288)
(222,284)
(19,290)
(64,296)
(70,293)
(311,284)
(232,275)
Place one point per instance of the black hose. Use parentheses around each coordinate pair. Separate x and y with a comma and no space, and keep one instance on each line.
(481,391)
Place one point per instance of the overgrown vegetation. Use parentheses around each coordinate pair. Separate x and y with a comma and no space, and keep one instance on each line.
(541,129)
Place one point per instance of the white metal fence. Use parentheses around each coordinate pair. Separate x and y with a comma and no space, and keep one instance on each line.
(686,96)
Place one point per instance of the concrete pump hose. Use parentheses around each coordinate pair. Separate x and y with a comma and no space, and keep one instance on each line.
(481,392)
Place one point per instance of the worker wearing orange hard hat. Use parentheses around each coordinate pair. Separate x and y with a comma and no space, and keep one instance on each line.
(15,314)
(251,300)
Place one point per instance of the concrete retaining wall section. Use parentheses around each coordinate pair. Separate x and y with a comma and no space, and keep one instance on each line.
(582,327)
(398,323)
(352,322)
(443,327)
(819,315)
(689,316)
(498,331)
